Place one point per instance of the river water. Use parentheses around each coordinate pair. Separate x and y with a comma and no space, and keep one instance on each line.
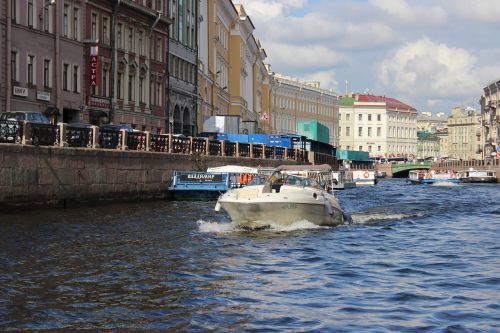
(416,259)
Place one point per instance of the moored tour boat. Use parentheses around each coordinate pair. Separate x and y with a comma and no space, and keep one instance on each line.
(477,176)
(199,185)
(364,177)
(281,199)
(432,176)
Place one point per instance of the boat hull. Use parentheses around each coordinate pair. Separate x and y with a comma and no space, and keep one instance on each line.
(479,180)
(433,181)
(282,208)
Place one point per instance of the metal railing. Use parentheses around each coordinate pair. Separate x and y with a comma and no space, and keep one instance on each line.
(94,137)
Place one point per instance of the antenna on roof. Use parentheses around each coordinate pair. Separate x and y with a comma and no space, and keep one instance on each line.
(346,87)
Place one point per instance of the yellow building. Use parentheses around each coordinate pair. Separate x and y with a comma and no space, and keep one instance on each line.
(293,102)
(464,134)
(231,73)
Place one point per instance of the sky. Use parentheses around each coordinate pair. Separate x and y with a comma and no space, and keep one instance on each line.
(431,54)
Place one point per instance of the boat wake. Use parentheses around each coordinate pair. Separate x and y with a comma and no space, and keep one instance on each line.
(445,184)
(360,218)
(216,227)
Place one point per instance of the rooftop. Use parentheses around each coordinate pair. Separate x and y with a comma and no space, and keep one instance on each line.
(391,103)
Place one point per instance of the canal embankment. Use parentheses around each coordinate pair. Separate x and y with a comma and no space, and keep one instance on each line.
(40,175)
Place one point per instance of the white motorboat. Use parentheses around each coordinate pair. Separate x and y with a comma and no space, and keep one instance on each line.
(281,199)
(477,176)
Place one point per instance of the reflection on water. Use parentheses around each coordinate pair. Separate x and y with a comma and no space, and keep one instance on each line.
(416,259)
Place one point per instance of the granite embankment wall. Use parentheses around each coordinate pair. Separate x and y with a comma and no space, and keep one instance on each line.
(51,175)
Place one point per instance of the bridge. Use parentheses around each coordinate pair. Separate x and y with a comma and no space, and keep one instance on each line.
(401,169)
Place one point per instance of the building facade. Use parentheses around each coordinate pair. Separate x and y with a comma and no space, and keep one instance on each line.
(490,120)
(383,126)
(42,57)
(293,102)
(427,145)
(426,121)
(126,60)
(183,67)
(465,138)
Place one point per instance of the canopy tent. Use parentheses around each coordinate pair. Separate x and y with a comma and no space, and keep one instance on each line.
(233,169)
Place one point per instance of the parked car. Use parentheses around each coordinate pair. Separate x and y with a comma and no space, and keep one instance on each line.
(31,116)
(117,127)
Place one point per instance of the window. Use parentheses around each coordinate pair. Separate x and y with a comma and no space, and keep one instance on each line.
(348,148)
(46,16)
(30,69)
(104,85)
(105,30)
(13,66)
(151,92)
(379,117)
(76,81)
(158,93)
(30,13)
(347,131)
(370,149)
(348,116)
(46,73)
(141,85)
(93,27)
(141,42)
(130,87)
(369,131)
(158,49)
(119,83)
(369,117)
(360,131)
(360,117)
(340,116)
(13,13)
(119,34)
(131,39)
(65,76)
(75,23)
(66,21)
(360,148)
(379,148)
(340,130)
(379,131)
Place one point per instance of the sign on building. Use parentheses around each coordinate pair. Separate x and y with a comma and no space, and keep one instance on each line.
(20,91)
(94,65)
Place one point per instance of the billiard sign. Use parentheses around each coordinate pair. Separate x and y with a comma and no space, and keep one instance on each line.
(201,177)
(94,66)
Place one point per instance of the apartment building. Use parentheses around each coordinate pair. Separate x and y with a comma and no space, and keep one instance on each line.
(465,134)
(232,76)
(490,119)
(183,66)
(383,126)
(427,145)
(293,101)
(125,76)
(42,56)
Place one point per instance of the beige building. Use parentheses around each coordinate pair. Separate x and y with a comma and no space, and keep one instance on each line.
(232,77)
(490,119)
(383,126)
(426,121)
(465,134)
(293,102)
(442,134)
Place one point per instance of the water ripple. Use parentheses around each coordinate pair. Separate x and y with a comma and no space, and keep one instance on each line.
(416,259)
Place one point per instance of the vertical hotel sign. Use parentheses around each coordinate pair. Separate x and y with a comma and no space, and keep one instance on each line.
(94,66)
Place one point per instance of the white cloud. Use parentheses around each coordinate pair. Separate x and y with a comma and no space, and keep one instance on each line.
(483,11)
(433,71)
(303,57)
(266,10)
(403,12)
(326,78)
